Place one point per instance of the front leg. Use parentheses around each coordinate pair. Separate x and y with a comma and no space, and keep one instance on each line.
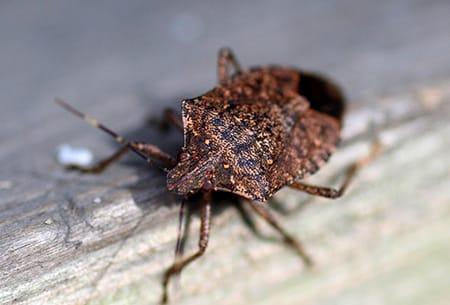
(173,118)
(146,151)
(153,152)
(101,165)
(179,264)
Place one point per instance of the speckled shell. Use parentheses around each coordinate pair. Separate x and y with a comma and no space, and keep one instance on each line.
(253,135)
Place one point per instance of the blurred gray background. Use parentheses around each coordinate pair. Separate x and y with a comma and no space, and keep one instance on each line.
(92,52)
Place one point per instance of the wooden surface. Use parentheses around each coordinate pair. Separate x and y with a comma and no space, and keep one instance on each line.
(67,238)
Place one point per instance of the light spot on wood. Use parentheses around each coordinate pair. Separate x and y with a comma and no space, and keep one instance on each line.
(5,185)
(69,155)
(431,97)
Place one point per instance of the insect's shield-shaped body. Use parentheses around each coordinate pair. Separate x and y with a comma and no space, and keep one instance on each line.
(252,136)
(259,130)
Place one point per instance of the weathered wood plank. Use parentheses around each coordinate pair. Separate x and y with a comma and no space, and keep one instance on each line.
(387,233)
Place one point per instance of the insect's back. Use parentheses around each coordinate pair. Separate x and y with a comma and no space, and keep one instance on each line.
(252,136)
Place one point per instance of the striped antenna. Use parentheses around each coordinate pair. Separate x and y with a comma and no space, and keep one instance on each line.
(93,122)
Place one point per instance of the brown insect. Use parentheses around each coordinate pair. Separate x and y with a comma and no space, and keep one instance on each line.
(259,130)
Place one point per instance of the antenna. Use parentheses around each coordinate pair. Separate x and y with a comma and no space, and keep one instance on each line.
(93,122)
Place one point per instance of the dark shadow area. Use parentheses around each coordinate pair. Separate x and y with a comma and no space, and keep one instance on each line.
(323,94)
(278,207)
(220,202)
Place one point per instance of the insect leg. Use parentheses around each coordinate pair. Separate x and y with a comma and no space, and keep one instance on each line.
(171,117)
(225,58)
(322,191)
(178,265)
(181,238)
(148,150)
(264,212)
(101,165)
(154,152)
(350,174)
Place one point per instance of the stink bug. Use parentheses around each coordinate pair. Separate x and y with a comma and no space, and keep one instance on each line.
(258,130)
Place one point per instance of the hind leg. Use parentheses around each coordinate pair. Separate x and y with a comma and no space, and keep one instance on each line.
(350,174)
